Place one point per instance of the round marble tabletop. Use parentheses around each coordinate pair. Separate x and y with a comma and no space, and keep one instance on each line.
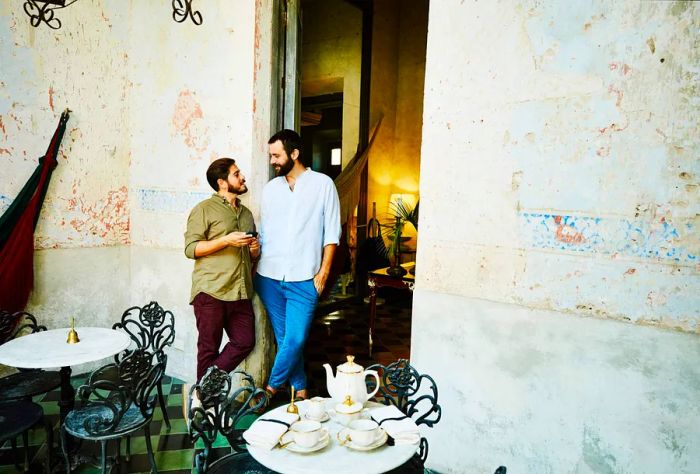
(334,457)
(47,349)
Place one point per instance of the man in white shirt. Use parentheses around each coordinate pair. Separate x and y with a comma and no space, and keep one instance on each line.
(299,232)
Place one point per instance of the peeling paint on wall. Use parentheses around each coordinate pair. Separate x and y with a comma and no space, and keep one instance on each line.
(188,121)
(89,223)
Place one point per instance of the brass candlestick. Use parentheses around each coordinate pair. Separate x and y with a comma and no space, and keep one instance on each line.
(72,334)
(292,408)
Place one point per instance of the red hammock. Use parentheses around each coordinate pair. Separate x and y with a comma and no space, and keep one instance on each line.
(17,226)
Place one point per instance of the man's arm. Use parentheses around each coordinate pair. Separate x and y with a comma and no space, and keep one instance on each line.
(323,272)
(196,243)
(331,234)
(234,239)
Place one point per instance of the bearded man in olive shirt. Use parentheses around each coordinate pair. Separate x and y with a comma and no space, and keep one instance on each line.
(222,287)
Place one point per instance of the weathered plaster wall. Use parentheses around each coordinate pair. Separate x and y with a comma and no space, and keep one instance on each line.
(559,216)
(153,103)
(192,102)
(41,75)
(398,69)
(81,264)
(331,56)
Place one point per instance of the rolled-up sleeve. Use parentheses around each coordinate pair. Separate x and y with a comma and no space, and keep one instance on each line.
(196,228)
(331,216)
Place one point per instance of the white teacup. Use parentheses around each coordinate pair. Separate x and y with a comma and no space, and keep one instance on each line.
(363,432)
(305,433)
(315,409)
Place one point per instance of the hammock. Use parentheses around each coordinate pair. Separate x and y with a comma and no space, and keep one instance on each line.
(17,226)
(348,181)
(348,185)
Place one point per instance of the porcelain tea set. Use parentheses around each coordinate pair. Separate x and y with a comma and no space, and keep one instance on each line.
(349,393)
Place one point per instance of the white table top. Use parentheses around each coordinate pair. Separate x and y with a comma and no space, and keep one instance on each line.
(334,457)
(49,349)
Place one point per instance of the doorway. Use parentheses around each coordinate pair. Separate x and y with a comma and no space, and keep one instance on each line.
(344,93)
(322,133)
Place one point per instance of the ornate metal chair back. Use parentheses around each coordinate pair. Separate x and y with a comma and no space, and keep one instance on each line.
(222,410)
(13,325)
(150,327)
(414,394)
(108,400)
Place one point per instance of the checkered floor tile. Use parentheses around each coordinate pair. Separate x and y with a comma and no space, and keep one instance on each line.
(331,338)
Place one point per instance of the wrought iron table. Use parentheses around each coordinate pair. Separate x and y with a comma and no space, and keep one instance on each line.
(334,457)
(379,278)
(48,349)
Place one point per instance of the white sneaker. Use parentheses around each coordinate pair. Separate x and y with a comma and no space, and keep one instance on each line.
(189,403)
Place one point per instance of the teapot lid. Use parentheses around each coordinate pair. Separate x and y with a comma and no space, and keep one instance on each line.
(348,406)
(350,367)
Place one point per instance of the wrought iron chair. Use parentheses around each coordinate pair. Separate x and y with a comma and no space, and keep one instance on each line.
(112,410)
(415,395)
(17,418)
(222,412)
(25,383)
(152,328)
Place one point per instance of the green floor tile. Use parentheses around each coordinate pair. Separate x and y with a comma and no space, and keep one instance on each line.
(221,442)
(175,400)
(177,426)
(158,415)
(171,460)
(138,444)
(37,436)
(50,408)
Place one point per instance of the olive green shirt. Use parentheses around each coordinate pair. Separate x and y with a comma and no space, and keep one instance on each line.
(226,274)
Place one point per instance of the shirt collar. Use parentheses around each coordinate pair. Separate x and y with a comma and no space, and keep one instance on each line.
(223,199)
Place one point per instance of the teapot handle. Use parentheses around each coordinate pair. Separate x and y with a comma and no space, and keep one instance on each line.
(374,374)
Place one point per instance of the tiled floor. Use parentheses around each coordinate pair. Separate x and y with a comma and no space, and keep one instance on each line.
(331,338)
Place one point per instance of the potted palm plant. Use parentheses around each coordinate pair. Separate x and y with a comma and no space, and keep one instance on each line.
(401,213)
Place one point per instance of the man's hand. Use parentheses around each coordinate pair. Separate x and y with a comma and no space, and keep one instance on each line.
(254,247)
(320,281)
(234,239)
(238,239)
(325,270)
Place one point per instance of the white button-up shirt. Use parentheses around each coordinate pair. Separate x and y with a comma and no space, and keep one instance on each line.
(296,225)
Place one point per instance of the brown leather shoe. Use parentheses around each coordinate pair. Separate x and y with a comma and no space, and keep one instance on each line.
(269,393)
(301,395)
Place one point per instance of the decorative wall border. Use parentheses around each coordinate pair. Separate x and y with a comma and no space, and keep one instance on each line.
(658,239)
(160,200)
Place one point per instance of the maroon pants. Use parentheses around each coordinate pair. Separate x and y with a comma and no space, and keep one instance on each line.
(213,318)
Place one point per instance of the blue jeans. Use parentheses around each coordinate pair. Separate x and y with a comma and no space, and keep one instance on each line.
(290,307)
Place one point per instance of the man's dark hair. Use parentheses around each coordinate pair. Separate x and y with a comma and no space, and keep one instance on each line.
(290,141)
(218,169)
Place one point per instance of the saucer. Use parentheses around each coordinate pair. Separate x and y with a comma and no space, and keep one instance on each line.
(381,439)
(322,443)
(323,419)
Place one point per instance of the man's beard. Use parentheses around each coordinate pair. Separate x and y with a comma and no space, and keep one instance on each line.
(237,190)
(285,168)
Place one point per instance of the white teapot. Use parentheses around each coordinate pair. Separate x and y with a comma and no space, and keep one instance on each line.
(349,381)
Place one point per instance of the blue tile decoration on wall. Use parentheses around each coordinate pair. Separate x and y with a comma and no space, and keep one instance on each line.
(5,202)
(160,200)
(604,235)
